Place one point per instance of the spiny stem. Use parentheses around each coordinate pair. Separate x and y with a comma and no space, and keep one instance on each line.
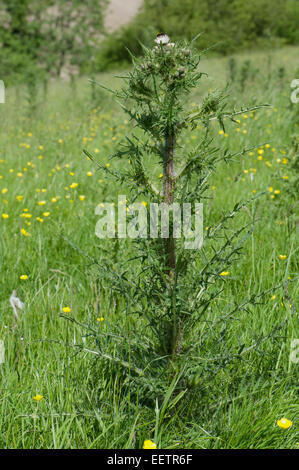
(170,253)
(169,188)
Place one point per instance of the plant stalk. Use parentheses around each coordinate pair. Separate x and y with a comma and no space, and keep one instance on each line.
(170,252)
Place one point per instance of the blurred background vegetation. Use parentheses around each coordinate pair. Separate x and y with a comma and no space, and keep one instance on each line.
(226,25)
(43,37)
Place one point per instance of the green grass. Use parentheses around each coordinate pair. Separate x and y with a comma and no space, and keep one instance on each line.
(84,404)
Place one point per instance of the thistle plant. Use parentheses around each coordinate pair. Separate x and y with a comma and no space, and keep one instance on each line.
(232,69)
(31,91)
(244,73)
(165,290)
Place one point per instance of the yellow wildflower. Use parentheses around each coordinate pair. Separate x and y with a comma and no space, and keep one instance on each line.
(148,444)
(25,233)
(284,423)
(38,397)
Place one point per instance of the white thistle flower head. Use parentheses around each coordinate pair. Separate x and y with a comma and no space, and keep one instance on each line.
(16,303)
(162,38)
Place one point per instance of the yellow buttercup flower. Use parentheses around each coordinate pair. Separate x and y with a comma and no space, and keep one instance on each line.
(284,423)
(38,397)
(66,309)
(23,232)
(224,273)
(148,444)
(282,257)
(100,319)
(23,277)
(5,216)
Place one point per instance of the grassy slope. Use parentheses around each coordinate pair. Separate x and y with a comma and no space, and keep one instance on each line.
(81,406)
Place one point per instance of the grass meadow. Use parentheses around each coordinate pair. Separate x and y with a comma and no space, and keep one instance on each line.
(48,193)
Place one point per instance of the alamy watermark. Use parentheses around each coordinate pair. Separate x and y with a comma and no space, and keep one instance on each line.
(294,353)
(141,220)
(2,92)
(2,351)
(294,97)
